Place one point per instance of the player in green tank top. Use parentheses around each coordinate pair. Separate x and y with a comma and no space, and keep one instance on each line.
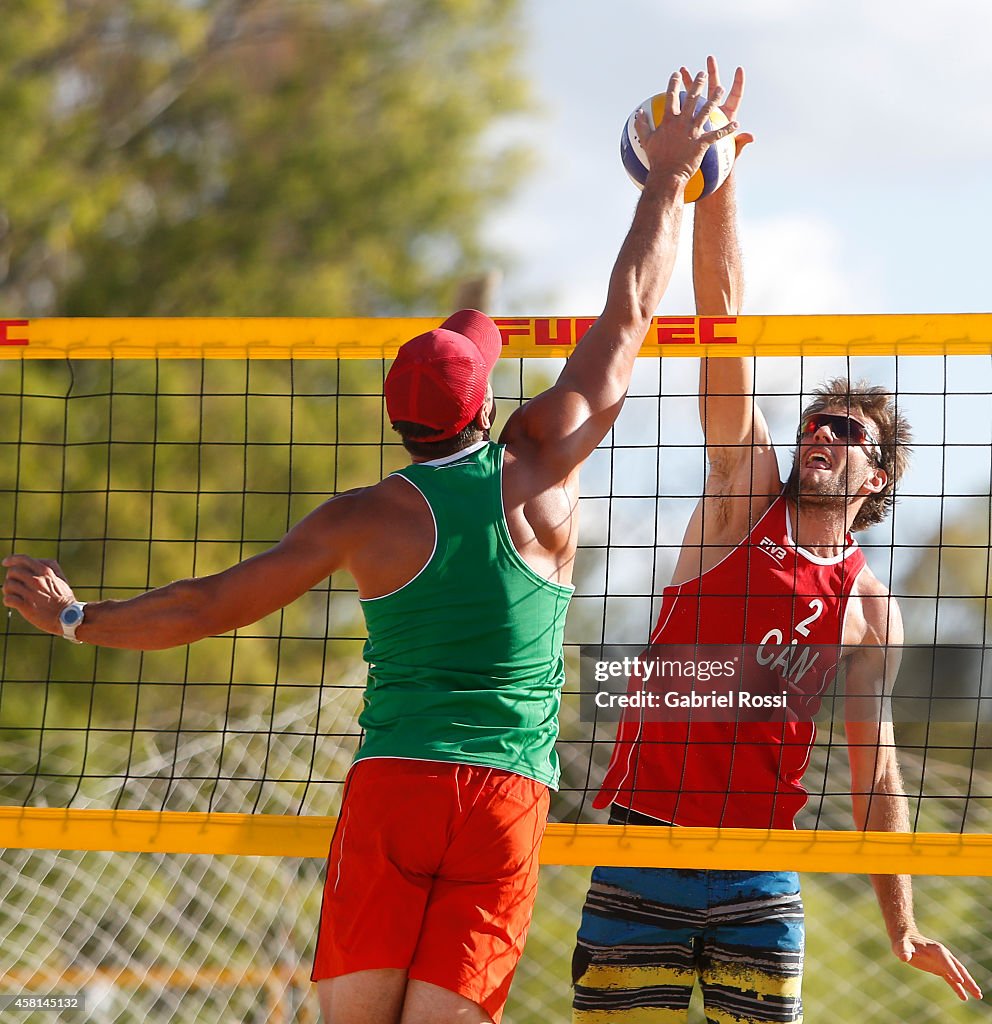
(463,563)
(462,673)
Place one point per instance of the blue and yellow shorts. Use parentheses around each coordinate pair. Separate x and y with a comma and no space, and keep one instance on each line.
(647,934)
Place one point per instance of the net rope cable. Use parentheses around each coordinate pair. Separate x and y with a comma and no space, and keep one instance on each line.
(136,471)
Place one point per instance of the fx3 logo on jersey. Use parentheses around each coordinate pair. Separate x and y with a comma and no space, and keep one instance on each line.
(769,547)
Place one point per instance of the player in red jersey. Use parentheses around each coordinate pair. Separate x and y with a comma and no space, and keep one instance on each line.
(774,571)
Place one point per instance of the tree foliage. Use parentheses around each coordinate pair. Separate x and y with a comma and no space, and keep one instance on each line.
(219,157)
(249,157)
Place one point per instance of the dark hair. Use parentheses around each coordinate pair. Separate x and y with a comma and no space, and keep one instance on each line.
(417,439)
(893,432)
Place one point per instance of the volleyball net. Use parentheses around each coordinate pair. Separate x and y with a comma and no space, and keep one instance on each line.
(138,452)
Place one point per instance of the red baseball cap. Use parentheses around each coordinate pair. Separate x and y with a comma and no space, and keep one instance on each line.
(439,379)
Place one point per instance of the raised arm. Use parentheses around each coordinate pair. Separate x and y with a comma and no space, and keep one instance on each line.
(738,446)
(742,476)
(877,793)
(190,609)
(568,421)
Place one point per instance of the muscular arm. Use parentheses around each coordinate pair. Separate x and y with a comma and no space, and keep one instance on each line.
(738,445)
(742,472)
(879,800)
(190,609)
(877,795)
(564,425)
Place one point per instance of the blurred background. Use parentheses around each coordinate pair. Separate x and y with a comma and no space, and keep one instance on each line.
(359,158)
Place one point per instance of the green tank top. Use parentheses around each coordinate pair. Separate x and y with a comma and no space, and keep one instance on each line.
(465,660)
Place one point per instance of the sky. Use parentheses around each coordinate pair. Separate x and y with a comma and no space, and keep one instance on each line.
(866,191)
(867,187)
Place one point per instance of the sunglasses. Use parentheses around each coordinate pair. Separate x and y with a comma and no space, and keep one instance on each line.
(844,428)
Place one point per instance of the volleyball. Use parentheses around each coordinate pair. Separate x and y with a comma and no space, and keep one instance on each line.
(712,171)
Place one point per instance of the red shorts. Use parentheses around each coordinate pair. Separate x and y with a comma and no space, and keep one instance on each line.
(433,869)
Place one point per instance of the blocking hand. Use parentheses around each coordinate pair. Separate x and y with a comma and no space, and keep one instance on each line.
(732,103)
(677,146)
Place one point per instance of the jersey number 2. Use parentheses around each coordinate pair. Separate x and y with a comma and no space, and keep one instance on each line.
(803,627)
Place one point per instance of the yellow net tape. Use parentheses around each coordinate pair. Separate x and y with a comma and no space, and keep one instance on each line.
(923,853)
(367,338)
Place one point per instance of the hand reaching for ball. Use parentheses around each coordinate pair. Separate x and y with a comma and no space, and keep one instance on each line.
(682,134)
(732,103)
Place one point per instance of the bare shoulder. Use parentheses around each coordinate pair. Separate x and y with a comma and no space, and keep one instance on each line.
(531,461)
(874,617)
(521,437)
(362,510)
(345,504)
(389,489)
(362,524)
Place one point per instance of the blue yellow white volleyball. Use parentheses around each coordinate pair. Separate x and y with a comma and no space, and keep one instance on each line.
(717,162)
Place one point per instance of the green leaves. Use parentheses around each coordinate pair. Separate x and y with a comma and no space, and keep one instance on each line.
(250,157)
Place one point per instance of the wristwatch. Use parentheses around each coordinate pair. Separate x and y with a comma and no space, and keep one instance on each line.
(71,618)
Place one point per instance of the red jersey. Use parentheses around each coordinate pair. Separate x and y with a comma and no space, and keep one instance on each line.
(784,608)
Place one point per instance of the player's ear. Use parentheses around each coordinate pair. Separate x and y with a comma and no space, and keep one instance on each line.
(486,415)
(876,481)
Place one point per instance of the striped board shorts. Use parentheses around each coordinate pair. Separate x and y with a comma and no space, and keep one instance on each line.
(647,934)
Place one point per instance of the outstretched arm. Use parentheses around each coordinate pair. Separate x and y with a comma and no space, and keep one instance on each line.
(742,476)
(568,421)
(738,446)
(188,610)
(877,793)
(717,274)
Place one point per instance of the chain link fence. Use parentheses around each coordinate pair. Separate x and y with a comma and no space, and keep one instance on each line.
(210,939)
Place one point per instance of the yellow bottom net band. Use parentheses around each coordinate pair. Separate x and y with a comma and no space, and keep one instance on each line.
(917,853)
